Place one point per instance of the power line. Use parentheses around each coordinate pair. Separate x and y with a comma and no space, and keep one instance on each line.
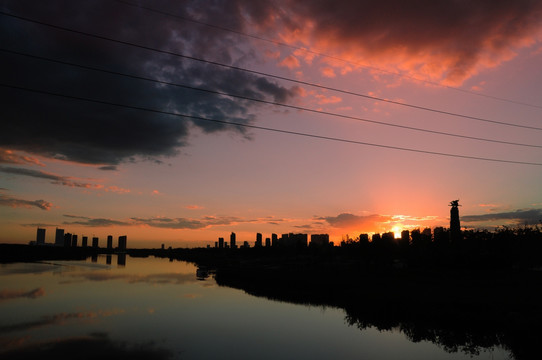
(321,54)
(273,76)
(297,133)
(216,92)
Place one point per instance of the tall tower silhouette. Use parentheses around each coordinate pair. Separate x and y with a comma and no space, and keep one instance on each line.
(233,244)
(455,227)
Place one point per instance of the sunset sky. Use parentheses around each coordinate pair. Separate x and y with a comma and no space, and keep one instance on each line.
(348,117)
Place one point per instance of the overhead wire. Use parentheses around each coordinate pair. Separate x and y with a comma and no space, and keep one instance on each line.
(324,55)
(275,103)
(193,58)
(238,124)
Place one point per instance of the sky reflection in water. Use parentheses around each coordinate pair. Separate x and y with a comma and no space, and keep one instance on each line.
(154,308)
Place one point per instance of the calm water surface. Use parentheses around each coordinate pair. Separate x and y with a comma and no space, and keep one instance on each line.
(155,307)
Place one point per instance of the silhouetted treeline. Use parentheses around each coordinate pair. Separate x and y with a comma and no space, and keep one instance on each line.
(505,247)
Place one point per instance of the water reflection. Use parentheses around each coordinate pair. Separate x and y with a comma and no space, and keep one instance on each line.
(468,328)
(80,308)
(91,347)
(204,272)
(121,259)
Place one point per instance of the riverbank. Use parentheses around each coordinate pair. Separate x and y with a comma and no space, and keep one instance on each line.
(30,253)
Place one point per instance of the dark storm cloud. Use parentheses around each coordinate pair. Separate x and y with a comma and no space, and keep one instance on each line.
(529,216)
(102,134)
(10,201)
(447,38)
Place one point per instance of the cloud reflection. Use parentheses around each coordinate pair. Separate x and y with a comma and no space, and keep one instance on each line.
(163,278)
(93,346)
(7,294)
(57,319)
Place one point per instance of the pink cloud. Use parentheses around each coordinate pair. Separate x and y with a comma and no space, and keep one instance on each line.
(445,41)
(11,157)
(272,54)
(290,62)
(328,72)
(117,189)
(323,100)
(307,56)
(194,207)
(16,203)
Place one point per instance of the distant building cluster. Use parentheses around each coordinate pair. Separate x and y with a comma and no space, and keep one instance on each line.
(293,240)
(439,235)
(71,240)
(416,236)
(286,240)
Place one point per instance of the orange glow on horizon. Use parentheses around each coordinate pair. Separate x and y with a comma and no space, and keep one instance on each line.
(397,231)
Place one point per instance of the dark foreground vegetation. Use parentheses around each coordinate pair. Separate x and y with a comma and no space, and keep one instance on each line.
(479,291)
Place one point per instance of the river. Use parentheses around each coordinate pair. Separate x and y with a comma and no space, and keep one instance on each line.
(154,308)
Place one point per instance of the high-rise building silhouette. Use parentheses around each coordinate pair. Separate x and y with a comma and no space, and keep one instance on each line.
(95,242)
(74,240)
(221,242)
(405,238)
(59,237)
(109,242)
(389,238)
(274,240)
(84,241)
(319,240)
(426,235)
(364,239)
(40,236)
(67,240)
(232,240)
(123,240)
(455,226)
(258,240)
